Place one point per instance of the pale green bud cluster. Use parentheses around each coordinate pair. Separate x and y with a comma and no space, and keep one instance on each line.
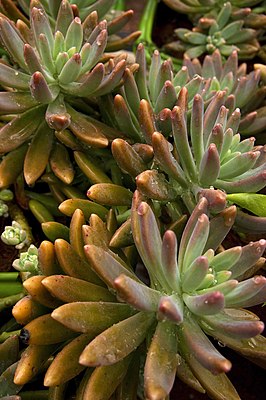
(3,209)
(14,235)
(5,195)
(28,261)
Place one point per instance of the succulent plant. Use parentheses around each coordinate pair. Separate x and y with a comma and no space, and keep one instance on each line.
(5,196)
(9,351)
(14,235)
(251,11)
(28,261)
(108,306)
(219,33)
(247,89)
(68,286)
(194,294)
(52,69)
(143,103)
(204,151)
(108,9)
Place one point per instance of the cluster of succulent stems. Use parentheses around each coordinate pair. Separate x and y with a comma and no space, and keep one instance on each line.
(136,169)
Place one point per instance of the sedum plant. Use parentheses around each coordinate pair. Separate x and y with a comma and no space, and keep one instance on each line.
(53,67)
(109,307)
(204,151)
(251,11)
(215,148)
(111,10)
(219,33)
(68,286)
(5,197)
(75,317)
(247,89)
(190,295)
(143,103)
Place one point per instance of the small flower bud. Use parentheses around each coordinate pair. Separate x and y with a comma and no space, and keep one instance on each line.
(14,235)
(28,261)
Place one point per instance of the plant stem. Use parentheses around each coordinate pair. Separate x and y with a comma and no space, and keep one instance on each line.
(146,27)
(10,300)
(123,217)
(188,200)
(6,335)
(10,288)
(8,277)
(119,5)
(146,23)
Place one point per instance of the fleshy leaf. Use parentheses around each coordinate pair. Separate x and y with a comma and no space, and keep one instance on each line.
(254,202)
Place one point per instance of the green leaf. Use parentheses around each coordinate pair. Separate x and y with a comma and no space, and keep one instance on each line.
(7,386)
(256,203)
(118,341)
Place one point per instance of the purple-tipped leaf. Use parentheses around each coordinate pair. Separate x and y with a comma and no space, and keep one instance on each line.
(13,42)
(181,141)
(236,327)
(40,90)
(220,225)
(149,246)
(238,165)
(74,35)
(70,70)
(194,340)
(211,114)
(166,160)
(196,128)
(171,309)
(105,265)
(205,304)
(201,208)
(247,293)
(161,356)
(194,275)
(136,294)
(169,258)
(196,241)
(226,259)
(209,168)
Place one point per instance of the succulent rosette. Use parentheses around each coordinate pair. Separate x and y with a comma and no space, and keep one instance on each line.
(203,152)
(52,68)
(142,105)
(219,33)
(116,19)
(196,293)
(67,289)
(252,12)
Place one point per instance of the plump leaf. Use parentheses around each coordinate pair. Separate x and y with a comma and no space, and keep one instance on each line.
(90,317)
(118,341)
(256,203)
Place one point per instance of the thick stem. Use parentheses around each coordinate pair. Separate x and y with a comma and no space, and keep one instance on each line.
(188,200)
(9,301)
(146,23)
(8,276)
(119,5)
(6,335)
